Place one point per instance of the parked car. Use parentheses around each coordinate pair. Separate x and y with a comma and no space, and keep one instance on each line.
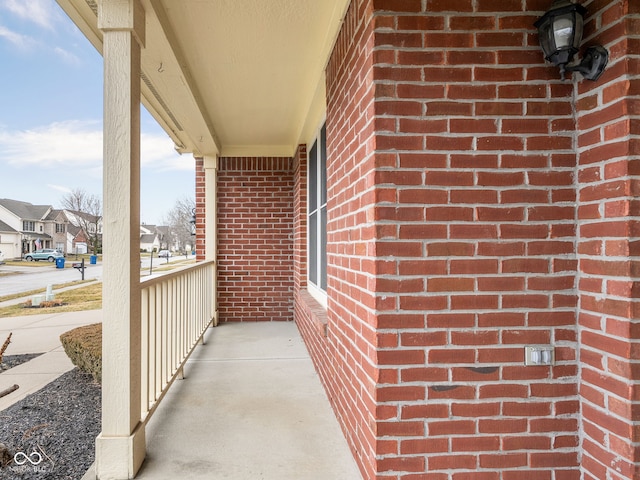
(164,253)
(48,254)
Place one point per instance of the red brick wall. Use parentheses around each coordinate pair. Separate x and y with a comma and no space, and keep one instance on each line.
(609,154)
(475,227)
(341,339)
(255,239)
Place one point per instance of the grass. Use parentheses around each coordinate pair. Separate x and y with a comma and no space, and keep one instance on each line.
(40,290)
(24,263)
(75,300)
(78,299)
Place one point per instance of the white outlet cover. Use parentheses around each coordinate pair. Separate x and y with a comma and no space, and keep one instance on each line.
(539,355)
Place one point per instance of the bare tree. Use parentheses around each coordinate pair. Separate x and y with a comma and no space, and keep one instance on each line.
(178,219)
(86,209)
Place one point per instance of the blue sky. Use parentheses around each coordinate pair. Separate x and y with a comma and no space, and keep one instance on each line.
(51,116)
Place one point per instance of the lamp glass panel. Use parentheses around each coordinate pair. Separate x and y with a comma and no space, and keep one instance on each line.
(563,31)
(577,37)
(545,37)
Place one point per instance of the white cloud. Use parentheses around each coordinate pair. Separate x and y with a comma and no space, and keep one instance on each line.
(67,56)
(78,144)
(59,188)
(15,38)
(40,12)
(157,152)
(71,143)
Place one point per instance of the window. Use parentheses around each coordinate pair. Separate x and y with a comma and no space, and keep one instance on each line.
(317,212)
(28,226)
(60,228)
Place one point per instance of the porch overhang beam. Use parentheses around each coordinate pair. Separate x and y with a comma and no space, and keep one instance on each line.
(204,140)
(166,87)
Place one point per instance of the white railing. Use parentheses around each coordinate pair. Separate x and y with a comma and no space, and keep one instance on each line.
(177,309)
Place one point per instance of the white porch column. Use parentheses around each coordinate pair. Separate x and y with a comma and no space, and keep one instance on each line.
(120,447)
(211,215)
(211,219)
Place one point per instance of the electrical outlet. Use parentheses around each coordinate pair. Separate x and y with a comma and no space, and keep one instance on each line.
(537,355)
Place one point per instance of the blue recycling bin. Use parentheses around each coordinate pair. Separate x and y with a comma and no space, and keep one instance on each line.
(93,259)
(60,262)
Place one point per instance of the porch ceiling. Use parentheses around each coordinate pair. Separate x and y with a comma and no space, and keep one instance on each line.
(232,77)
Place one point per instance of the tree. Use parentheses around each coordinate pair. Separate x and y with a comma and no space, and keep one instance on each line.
(86,210)
(178,219)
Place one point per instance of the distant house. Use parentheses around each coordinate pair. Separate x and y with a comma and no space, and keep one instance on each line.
(29,221)
(158,237)
(57,226)
(91,226)
(9,241)
(25,227)
(149,242)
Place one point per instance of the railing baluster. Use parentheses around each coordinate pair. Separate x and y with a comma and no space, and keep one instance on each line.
(144,351)
(176,311)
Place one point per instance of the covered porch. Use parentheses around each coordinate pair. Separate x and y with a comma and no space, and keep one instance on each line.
(250,406)
(226,80)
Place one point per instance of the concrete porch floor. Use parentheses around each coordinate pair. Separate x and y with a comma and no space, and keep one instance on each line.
(251,407)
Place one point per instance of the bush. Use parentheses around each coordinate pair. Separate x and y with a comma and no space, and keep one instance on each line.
(83,345)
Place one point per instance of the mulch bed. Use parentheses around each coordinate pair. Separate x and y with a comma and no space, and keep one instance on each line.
(50,435)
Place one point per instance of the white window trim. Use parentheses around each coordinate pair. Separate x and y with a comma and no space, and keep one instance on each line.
(319,295)
(316,292)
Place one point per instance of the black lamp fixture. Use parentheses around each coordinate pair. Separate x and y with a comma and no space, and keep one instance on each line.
(560,33)
(192,222)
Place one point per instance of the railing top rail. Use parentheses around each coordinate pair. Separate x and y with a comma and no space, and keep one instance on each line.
(151,281)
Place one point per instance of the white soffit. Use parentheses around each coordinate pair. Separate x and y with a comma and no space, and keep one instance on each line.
(232,77)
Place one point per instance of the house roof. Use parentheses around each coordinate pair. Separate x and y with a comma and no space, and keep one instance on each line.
(54,214)
(6,228)
(148,238)
(25,210)
(235,78)
(86,216)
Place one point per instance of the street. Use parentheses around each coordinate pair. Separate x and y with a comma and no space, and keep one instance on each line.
(31,277)
(24,279)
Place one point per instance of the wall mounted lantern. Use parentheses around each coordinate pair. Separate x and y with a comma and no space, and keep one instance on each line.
(192,222)
(560,34)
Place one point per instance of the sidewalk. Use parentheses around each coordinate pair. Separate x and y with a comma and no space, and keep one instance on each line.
(38,334)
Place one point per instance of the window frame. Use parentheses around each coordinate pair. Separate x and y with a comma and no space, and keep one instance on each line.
(317,207)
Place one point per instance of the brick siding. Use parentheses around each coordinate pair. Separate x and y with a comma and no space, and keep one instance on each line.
(475,245)
(608,159)
(255,239)
(454,242)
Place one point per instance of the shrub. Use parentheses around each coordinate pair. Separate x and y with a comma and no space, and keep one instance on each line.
(83,345)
